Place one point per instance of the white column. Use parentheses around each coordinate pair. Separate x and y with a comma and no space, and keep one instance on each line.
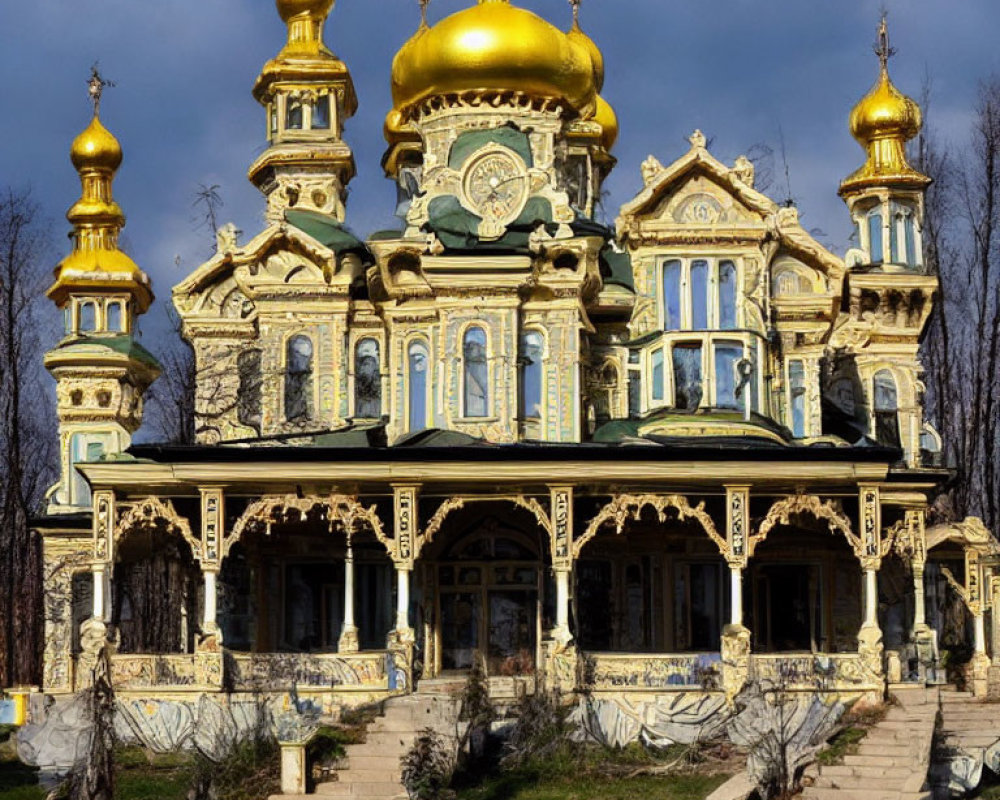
(919,598)
(871,598)
(980,633)
(100,590)
(402,600)
(736,596)
(349,632)
(562,599)
(210,623)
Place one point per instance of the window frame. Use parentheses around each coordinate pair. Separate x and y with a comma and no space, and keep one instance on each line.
(464,376)
(522,369)
(408,345)
(713,300)
(357,341)
(310,390)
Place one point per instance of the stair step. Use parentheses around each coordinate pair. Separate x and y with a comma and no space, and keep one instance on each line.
(831,793)
(902,760)
(864,772)
(360,790)
(385,763)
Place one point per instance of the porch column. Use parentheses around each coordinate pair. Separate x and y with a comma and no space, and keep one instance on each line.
(979,633)
(209,623)
(919,598)
(349,633)
(403,629)
(736,596)
(101,606)
(562,600)
(871,599)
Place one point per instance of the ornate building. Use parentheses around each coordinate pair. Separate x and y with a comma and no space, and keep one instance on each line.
(644,462)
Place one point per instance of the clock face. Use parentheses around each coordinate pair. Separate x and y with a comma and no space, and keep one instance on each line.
(496,187)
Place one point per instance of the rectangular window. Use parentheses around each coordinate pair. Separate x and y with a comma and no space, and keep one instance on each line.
(875,237)
(797,397)
(657,365)
(699,295)
(634,393)
(672,296)
(726,381)
(911,243)
(687,376)
(894,223)
(727,296)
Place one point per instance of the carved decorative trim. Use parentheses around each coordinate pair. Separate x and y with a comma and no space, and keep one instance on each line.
(624,507)
(337,509)
(436,522)
(152,511)
(960,590)
(782,511)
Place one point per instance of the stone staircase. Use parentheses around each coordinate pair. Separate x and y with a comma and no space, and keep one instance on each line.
(969,739)
(892,760)
(371,770)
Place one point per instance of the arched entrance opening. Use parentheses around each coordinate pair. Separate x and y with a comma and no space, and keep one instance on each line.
(485,591)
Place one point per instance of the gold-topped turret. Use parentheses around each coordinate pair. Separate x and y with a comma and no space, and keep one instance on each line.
(883,122)
(96,262)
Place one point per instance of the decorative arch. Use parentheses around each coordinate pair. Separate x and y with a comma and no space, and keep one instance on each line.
(338,509)
(149,513)
(628,506)
(783,510)
(452,504)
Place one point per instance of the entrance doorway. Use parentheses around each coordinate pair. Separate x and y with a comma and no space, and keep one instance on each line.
(489,594)
(787,608)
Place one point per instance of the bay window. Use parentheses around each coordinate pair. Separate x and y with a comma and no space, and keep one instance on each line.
(699,294)
(715,370)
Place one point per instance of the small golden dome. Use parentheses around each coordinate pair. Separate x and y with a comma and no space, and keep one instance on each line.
(493,46)
(295,8)
(605,116)
(577,36)
(885,112)
(96,148)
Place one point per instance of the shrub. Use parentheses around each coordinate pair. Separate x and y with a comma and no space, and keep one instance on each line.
(427,767)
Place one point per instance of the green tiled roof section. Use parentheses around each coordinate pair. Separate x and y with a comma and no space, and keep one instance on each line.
(508,136)
(122,343)
(325,229)
(616,267)
(458,228)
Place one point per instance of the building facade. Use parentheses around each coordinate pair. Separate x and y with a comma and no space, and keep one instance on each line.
(648,462)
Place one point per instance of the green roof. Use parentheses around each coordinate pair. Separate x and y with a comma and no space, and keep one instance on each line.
(327,230)
(507,135)
(122,343)
(458,228)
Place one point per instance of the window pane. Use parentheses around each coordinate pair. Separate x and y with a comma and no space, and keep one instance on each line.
(911,240)
(298,377)
(634,393)
(531,376)
(894,223)
(321,113)
(672,296)
(115,317)
(418,386)
(699,295)
(367,380)
(875,237)
(727,296)
(726,356)
(88,317)
(293,116)
(476,373)
(797,389)
(687,376)
(657,365)
(886,409)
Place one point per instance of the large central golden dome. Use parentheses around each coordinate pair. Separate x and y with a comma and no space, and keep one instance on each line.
(494,47)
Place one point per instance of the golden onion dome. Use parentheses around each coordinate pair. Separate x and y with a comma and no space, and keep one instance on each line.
(885,112)
(577,36)
(96,148)
(493,46)
(288,9)
(605,116)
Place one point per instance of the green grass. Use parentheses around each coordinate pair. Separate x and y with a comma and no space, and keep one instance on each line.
(844,743)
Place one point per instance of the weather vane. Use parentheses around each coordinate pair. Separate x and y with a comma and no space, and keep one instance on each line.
(882,48)
(96,86)
(576,9)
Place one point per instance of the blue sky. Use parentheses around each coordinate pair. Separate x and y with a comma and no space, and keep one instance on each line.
(741,70)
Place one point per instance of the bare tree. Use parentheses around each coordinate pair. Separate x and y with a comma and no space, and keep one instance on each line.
(27,443)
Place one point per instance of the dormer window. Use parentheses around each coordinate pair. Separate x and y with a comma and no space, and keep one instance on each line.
(699,294)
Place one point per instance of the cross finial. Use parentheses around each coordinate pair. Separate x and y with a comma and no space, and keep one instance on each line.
(423,10)
(96,86)
(882,48)
(576,10)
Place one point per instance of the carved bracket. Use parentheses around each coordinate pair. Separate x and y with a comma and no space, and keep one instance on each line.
(781,513)
(630,506)
(153,512)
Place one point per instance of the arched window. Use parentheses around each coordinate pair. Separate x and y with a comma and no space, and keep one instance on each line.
(476,373)
(298,377)
(367,379)
(875,237)
(115,317)
(293,115)
(418,385)
(672,296)
(727,296)
(88,317)
(797,397)
(248,400)
(886,409)
(699,295)
(321,113)
(532,347)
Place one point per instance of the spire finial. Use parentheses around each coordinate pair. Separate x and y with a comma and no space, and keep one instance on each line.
(882,48)
(423,10)
(96,86)
(576,10)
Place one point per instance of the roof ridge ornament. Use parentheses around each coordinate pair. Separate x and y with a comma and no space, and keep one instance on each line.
(698,140)
(96,86)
